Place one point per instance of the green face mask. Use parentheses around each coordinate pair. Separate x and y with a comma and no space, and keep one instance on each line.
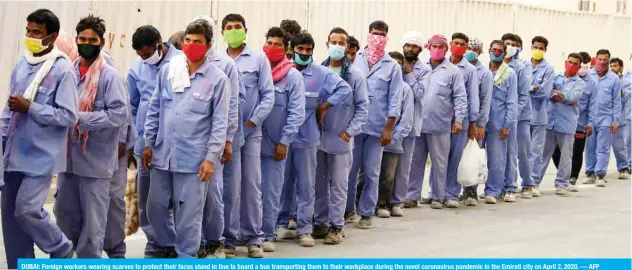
(235,38)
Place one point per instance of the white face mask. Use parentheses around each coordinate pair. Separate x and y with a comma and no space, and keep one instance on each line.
(511,51)
(154,59)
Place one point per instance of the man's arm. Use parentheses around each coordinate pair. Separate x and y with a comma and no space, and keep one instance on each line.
(64,113)
(295,109)
(266,88)
(220,104)
(115,112)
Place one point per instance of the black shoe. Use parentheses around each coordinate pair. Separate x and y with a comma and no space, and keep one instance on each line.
(214,247)
(319,232)
(202,252)
(170,253)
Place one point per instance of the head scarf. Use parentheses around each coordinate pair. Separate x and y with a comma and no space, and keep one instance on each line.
(437,39)
(475,44)
(67,45)
(210,54)
(413,38)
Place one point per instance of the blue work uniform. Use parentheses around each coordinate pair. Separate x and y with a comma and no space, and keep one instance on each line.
(141,83)
(83,189)
(621,139)
(320,85)
(459,141)
(607,107)
(184,129)
(258,93)
(35,149)
(502,114)
(560,131)
(384,82)
(542,75)
(444,102)
(334,154)
(280,127)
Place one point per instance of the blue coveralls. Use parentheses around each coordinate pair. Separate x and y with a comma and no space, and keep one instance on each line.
(503,113)
(83,189)
(35,149)
(560,132)
(444,100)
(459,141)
(543,75)
(607,111)
(384,82)
(334,155)
(183,129)
(621,139)
(320,85)
(141,82)
(245,214)
(280,127)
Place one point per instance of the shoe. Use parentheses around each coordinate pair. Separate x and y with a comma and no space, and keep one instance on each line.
(502,196)
(452,204)
(510,197)
(590,179)
(286,234)
(291,224)
(170,253)
(535,191)
(526,193)
(624,174)
(383,212)
(436,205)
(471,201)
(469,195)
(601,180)
(351,217)
(216,250)
(561,191)
(489,199)
(335,236)
(241,241)
(229,252)
(411,204)
(365,223)
(255,251)
(397,211)
(268,246)
(426,201)
(572,188)
(319,232)
(202,252)
(306,240)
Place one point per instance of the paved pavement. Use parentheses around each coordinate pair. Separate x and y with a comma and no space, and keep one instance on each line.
(595,222)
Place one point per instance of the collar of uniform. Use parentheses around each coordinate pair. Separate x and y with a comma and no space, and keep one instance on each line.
(308,69)
(542,64)
(462,63)
(204,67)
(385,57)
(246,50)
(444,64)
(572,78)
(418,65)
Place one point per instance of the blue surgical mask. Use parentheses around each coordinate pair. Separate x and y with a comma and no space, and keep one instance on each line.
(302,60)
(496,58)
(470,56)
(336,52)
(517,54)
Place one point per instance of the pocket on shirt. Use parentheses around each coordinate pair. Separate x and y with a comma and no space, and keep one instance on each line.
(280,97)
(311,100)
(382,83)
(250,77)
(200,103)
(44,94)
(443,88)
(165,99)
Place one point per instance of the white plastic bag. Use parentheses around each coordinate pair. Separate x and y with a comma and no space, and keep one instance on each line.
(473,166)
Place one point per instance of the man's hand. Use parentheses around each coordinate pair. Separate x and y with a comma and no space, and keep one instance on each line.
(471,131)
(588,130)
(17,103)
(480,132)
(131,160)
(456,128)
(228,153)
(280,152)
(206,170)
(147,158)
(250,124)
(387,136)
(345,137)
(536,87)
(504,133)
(407,67)
(613,128)
(121,150)
(320,113)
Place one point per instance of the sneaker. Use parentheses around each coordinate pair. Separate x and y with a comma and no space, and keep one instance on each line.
(268,246)
(561,191)
(426,201)
(255,251)
(411,204)
(334,236)
(436,205)
(572,188)
(365,223)
(319,231)
(216,250)
(291,224)
(624,174)
(590,179)
(397,211)
(306,240)
(526,193)
(202,252)
(170,253)
(489,199)
(502,196)
(229,252)
(601,180)
(351,217)
(535,191)
(452,204)
(383,212)
(285,233)
(510,197)
(471,201)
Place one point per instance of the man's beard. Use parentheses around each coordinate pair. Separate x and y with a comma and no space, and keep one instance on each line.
(411,57)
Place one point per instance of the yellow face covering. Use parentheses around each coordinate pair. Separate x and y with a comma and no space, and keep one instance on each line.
(34,45)
(537,54)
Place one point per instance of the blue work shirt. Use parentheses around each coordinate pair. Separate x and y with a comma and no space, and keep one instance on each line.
(36,141)
(228,66)
(257,88)
(444,98)
(320,85)
(384,81)
(128,134)
(415,80)
(542,75)
(525,112)
(563,116)
(287,115)
(404,123)
(626,91)
(503,111)
(586,104)
(103,124)
(349,116)
(185,128)
(608,99)
(486,84)
(141,83)
(470,81)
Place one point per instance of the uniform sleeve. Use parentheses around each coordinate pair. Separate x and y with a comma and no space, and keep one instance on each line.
(233,111)
(220,104)
(134,95)
(341,89)
(486,86)
(592,101)
(459,97)
(64,112)
(616,101)
(416,82)
(115,112)
(295,110)
(124,128)
(405,124)
(266,88)
(524,84)
(361,103)
(395,93)
(153,112)
(626,89)
(574,93)
(511,103)
(6,113)
(473,100)
(546,86)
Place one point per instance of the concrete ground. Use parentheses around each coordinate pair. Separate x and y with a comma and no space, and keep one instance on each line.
(594,222)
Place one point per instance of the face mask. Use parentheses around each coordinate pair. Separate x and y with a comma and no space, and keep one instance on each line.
(496,56)
(376,42)
(470,56)
(583,71)
(154,59)
(302,60)
(511,51)
(537,54)
(194,52)
(34,45)
(570,69)
(89,51)
(602,67)
(235,38)
(437,54)
(517,53)
(457,50)
(336,52)
(274,54)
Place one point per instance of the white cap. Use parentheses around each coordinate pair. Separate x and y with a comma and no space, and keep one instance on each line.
(413,37)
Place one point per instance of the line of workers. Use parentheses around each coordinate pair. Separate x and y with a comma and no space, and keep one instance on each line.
(249,145)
